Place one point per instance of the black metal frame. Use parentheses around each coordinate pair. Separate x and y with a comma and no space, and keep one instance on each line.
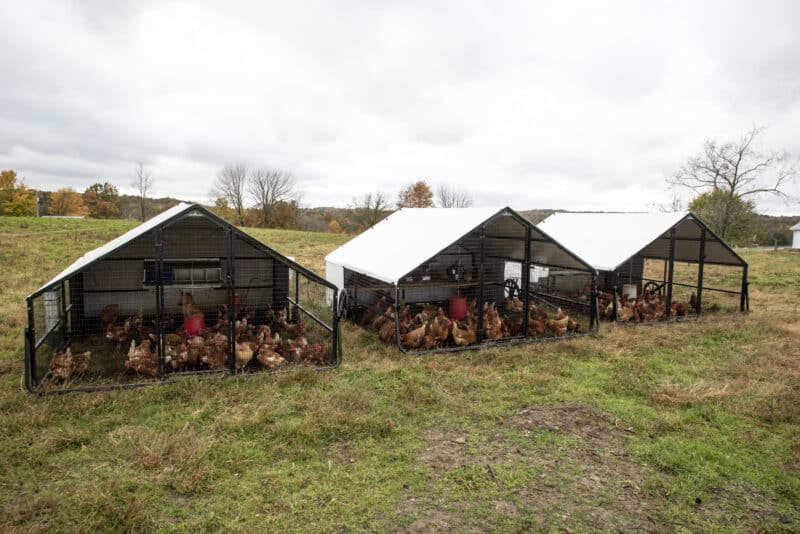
(669,268)
(31,345)
(527,264)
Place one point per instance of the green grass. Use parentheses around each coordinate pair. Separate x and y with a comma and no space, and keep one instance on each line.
(704,411)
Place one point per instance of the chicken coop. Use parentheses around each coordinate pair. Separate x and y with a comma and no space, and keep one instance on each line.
(185,292)
(445,279)
(654,266)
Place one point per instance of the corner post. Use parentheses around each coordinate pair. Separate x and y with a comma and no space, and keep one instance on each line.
(30,354)
(594,309)
(744,300)
(231,283)
(526,281)
(670,273)
(482,241)
(160,303)
(700,268)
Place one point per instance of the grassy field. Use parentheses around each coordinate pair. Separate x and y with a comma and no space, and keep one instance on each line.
(682,427)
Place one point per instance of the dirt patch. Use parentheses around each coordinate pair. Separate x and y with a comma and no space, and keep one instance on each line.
(561,466)
(445,449)
(601,487)
(578,474)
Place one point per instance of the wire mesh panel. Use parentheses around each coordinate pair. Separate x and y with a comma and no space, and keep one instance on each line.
(371,304)
(646,290)
(561,301)
(96,329)
(479,290)
(192,295)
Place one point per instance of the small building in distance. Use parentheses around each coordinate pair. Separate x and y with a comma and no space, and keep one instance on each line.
(796,236)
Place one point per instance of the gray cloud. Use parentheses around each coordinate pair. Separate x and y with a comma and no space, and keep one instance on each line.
(582,106)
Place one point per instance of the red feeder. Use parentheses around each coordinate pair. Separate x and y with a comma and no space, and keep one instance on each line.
(458,308)
(194,326)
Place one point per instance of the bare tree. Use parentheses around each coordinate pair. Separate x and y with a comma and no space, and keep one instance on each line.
(450,196)
(230,185)
(369,209)
(267,187)
(736,171)
(143,183)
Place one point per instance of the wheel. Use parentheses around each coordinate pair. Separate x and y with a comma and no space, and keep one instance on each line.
(653,288)
(512,288)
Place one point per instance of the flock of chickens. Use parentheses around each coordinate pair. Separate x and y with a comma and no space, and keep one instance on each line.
(273,344)
(644,308)
(431,328)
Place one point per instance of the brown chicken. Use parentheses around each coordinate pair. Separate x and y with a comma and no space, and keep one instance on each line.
(464,336)
(188,307)
(513,304)
(142,359)
(214,352)
(244,353)
(387,333)
(492,324)
(65,364)
(679,309)
(413,339)
(269,358)
(108,315)
(176,351)
(374,311)
(537,326)
(557,326)
(439,328)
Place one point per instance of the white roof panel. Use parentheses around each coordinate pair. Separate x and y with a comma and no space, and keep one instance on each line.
(114,244)
(406,239)
(795,227)
(607,240)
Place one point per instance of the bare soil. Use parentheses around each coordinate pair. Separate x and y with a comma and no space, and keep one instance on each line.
(583,478)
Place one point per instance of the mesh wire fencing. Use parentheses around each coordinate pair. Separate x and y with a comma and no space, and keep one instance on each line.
(644,293)
(192,297)
(475,292)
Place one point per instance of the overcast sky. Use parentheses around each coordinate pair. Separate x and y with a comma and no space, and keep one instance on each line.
(533,105)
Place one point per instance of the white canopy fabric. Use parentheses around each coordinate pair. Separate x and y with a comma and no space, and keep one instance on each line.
(114,244)
(795,227)
(405,239)
(608,240)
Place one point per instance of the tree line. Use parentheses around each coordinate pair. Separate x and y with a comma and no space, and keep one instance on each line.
(725,178)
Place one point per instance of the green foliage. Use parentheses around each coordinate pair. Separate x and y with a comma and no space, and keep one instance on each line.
(102,201)
(730,217)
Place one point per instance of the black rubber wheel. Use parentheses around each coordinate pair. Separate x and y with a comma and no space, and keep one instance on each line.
(653,288)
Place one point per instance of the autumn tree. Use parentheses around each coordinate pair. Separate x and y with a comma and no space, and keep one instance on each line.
(268,188)
(143,183)
(416,195)
(231,185)
(734,173)
(334,227)
(450,196)
(102,200)
(67,201)
(16,198)
(369,209)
